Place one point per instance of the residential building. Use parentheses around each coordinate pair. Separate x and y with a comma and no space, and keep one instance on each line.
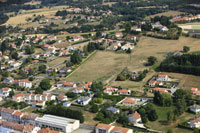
(162,78)
(6,114)
(66,84)
(67,104)
(64,70)
(195,123)
(78,90)
(119,34)
(161,90)
(153,83)
(110,90)
(4,92)
(104,128)
(18,97)
(29,119)
(195,108)
(62,97)
(124,92)
(8,80)
(129,101)
(11,127)
(59,123)
(17,117)
(24,83)
(84,100)
(47,130)
(113,110)
(134,118)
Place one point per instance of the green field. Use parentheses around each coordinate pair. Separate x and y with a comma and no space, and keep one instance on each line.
(196,27)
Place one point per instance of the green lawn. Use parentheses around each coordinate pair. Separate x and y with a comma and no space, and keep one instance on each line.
(162,125)
(196,52)
(196,27)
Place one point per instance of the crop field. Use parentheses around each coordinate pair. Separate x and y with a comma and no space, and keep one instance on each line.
(102,66)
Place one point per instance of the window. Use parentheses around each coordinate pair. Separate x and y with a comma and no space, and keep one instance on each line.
(102,131)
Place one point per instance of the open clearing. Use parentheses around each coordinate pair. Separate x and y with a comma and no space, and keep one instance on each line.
(103,65)
(162,125)
(21,18)
(106,65)
(168,14)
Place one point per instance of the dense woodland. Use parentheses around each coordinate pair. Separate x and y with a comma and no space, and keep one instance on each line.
(188,64)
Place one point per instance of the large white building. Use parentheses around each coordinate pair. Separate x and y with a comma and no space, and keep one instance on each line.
(59,123)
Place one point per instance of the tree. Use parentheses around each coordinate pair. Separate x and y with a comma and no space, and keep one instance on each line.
(129,51)
(170,131)
(42,68)
(38,90)
(152,60)
(152,115)
(45,84)
(76,57)
(170,116)
(128,27)
(95,108)
(11,93)
(186,49)
(15,55)
(29,49)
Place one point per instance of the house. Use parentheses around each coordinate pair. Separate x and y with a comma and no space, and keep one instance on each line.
(26,69)
(30,129)
(6,114)
(8,80)
(113,110)
(153,83)
(67,104)
(4,92)
(52,69)
(162,78)
(121,130)
(124,92)
(194,89)
(64,70)
(195,108)
(63,52)
(118,34)
(84,100)
(161,90)
(134,118)
(164,29)
(17,117)
(62,97)
(110,90)
(104,128)
(66,84)
(38,104)
(127,46)
(23,83)
(78,90)
(29,119)
(129,101)
(87,85)
(76,38)
(195,123)
(18,97)
(11,127)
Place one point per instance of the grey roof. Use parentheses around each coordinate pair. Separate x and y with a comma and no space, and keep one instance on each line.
(195,106)
(113,109)
(56,120)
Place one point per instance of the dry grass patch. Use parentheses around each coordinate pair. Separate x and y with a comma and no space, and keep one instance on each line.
(57,61)
(168,14)
(102,66)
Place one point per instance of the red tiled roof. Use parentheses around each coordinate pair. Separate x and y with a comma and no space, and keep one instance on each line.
(47,130)
(123,91)
(7,110)
(129,100)
(160,89)
(5,89)
(28,128)
(17,113)
(12,125)
(19,95)
(120,129)
(136,115)
(104,126)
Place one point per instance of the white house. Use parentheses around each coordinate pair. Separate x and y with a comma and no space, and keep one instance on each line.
(162,78)
(78,90)
(84,100)
(18,97)
(104,128)
(124,92)
(4,92)
(195,108)
(134,118)
(195,123)
(24,83)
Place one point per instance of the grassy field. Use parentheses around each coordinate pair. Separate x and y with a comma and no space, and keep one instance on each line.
(102,66)
(20,19)
(168,14)
(56,61)
(162,125)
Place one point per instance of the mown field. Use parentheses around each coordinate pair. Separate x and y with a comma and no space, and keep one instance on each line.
(168,14)
(102,66)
